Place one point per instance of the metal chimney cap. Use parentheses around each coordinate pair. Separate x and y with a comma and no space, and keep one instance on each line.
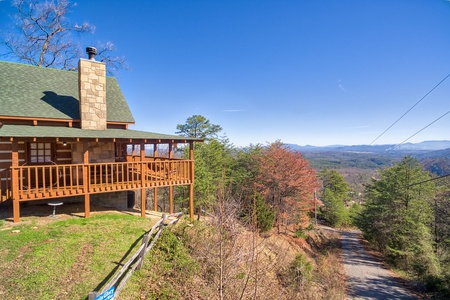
(91,51)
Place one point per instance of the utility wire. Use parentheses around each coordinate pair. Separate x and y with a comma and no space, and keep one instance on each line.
(432,179)
(422,129)
(409,110)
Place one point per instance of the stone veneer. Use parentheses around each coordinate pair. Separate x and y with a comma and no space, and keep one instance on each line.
(119,200)
(99,152)
(92,93)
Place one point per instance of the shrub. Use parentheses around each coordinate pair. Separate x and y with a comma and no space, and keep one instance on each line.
(168,269)
(299,272)
(302,269)
(354,212)
(310,226)
(300,233)
(265,214)
(439,286)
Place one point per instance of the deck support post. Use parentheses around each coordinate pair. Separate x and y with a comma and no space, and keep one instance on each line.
(86,178)
(191,201)
(170,199)
(191,186)
(143,193)
(15,181)
(155,198)
(170,186)
(155,189)
(143,202)
(16,211)
(87,205)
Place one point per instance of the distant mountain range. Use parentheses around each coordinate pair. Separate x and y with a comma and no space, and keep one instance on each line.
(389,150)
(434,155)
(358,163)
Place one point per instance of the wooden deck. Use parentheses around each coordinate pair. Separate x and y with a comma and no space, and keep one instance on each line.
(29,183)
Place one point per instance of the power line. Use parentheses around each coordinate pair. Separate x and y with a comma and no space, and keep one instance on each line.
(432,179)
(423,128)
(401,117)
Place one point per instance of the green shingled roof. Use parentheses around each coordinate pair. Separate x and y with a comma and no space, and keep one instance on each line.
(25,131)
(30,91)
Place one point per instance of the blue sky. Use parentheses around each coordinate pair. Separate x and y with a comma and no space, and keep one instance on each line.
(304,72)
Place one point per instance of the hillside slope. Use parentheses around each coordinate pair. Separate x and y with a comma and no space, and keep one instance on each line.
(191,262)
(67,257)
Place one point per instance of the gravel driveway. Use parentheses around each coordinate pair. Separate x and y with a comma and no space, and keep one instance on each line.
(367,278)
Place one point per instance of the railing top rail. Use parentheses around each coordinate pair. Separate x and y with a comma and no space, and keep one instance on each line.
(91,164)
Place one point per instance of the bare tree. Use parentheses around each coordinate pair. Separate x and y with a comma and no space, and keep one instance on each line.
(105,52)
(44,36)
(231,255)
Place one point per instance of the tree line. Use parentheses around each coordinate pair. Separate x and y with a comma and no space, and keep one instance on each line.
(272,179)
(243,196)
(404,213)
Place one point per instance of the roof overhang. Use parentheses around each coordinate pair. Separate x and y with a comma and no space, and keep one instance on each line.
(9,132)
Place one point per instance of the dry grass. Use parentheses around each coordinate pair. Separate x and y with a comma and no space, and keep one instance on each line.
(187,264)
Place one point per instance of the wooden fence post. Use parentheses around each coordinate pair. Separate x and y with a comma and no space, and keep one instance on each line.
(117,283)
(143,251)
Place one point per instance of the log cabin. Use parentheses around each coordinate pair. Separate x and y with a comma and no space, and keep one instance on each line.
(64,135)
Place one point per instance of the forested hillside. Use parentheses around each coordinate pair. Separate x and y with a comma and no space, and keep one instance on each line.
(359,167)
(344,160)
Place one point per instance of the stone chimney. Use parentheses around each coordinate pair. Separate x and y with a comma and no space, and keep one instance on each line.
(92,91)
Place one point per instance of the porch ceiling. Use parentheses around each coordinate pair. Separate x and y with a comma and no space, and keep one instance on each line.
(22,132)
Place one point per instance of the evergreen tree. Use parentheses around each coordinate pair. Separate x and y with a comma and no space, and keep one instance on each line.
(334,211)
(333,181)
(213,168)
(213,160)
(198,126)
(334,196)
(441,230)
(398,216)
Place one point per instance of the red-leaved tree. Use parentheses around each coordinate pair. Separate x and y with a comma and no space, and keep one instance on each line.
(286,181)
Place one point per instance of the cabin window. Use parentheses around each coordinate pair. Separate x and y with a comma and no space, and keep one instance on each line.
(40,152)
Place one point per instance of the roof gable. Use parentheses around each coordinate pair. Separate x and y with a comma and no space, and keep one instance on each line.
(31,91)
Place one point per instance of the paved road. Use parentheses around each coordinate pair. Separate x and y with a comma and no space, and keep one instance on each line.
(366,276)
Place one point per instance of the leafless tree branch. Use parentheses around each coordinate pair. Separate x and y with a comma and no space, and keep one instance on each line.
(44,36)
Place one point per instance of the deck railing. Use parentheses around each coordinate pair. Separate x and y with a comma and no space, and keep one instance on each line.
(5,185)
(50,181)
